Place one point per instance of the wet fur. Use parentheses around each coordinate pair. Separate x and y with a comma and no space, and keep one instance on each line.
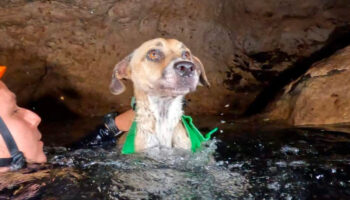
(159,123)
(158,115)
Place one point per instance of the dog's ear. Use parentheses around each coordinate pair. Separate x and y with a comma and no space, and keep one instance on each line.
(203,80)
(121,71)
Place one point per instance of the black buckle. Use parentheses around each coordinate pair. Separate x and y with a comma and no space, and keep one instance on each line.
(18,161)
(109,121)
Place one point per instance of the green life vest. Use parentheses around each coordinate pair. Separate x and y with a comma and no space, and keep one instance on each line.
(194,134)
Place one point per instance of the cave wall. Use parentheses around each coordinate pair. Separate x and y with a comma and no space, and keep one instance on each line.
(68,48)
(320,96)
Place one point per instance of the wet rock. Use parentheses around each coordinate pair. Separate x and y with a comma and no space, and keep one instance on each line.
(320,96)
(56,46)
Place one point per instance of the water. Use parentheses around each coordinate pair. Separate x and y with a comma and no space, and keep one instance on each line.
(160,174)
(293,163)
(245,161)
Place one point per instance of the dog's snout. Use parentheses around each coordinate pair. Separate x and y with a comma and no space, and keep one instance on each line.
(184,68)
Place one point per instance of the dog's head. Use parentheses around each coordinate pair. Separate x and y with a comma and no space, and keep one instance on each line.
(160,67)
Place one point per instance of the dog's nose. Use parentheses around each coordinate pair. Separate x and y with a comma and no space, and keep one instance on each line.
(184,68)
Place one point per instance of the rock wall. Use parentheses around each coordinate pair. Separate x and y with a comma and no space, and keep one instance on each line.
(320,96)
(67,49)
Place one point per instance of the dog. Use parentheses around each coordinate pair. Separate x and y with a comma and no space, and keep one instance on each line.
(163,71)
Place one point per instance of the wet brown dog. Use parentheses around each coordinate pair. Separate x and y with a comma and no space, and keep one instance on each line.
(163,71)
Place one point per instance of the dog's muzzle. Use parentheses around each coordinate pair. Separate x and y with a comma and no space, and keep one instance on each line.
(184,68)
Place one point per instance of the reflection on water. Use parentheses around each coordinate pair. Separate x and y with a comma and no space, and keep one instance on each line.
(291,163)
(246,161)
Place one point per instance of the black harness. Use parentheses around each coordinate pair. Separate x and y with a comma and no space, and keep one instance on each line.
(17,160)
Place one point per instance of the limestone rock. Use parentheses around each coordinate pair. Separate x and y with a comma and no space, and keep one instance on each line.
(67,49)
(320,96)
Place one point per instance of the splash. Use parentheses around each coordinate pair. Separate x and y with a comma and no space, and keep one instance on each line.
(158,173)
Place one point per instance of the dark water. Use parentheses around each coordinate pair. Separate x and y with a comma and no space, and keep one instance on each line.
(245,161)
(291,163)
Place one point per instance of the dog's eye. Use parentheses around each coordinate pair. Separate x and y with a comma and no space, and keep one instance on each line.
(186,55)
(154,55)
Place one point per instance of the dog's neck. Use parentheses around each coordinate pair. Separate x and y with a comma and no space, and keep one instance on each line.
(158,115)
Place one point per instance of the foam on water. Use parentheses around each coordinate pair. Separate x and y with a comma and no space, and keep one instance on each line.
(159,173)
(244,163)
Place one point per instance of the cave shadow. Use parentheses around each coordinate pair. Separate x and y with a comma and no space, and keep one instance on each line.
(60,126)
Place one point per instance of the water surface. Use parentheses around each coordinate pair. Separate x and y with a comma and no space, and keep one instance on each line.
(246,161)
